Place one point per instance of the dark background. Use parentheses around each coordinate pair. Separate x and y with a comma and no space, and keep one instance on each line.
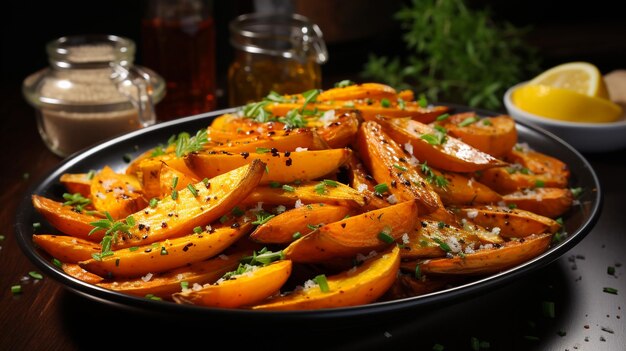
(562,31)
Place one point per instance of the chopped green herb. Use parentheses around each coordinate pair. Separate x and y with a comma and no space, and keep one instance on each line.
(36,225)
(443,117)
(344,83)
(466,122)
(423,102)
(267,169)
(444,246)
(237,212)
(320,188)
(35,275)
(223,219)
(56,262)
(487,122)
(512,206)
(205,181)
(441,224)
(262,150)
(539,183)
(2,237)
(185,144)
(274,184)
(385,237)
(262,217)
(322,282)
(561,333)
(275,97)
(174,182)
(384,102)
(133,248)
(91,174)
(312,226)
(263,257)
(192,190)
(331,182)
(184,285)
(296,235)
(309,96)
(76,200)
(399,167)
(174,194)
(16,289)
(418,272)
(401,104)
(610,290)
(576,192)
(381,188)
(560,221)
(197,230)
(610,270)
(153,202)
(153,297)
(288,188)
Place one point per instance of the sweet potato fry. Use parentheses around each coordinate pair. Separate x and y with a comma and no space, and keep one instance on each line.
(488,260)
(361,285)
(340,131)
(374,91)
(76,271)
(387,163)
(372,230)
(493,135)
(548,202)
(282,228)
(285,167)
(118,194)
(325,191)
(435,239)
(66,219)
(363,182)
(171,179)
(509,223)
(77,183)
(459,189)
(66,248)
(177,216)
(167,255)
(281,140)
(444,152)
(165,284)
(246,289)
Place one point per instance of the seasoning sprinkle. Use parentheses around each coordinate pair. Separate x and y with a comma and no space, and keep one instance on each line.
(16,289)
(322,282)
(35,275)
(609,290)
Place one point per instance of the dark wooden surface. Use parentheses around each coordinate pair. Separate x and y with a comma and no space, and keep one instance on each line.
(47,316)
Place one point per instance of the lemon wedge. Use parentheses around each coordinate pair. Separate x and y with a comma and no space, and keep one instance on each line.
(580,77)
(565,104)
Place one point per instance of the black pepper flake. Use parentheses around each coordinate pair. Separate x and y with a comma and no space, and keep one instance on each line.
(145,237)
(343,225)
(186,247)
(287,154)
(245,154)
(148,250)
(235,225)
(369,177)
(288,162)
(163,225)
(141,226)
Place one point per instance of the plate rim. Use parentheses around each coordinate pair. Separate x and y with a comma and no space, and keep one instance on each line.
(24,232)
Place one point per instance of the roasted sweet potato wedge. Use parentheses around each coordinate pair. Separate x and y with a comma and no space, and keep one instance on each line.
(388,164)
(374,91)
(281,140)
(283,167)
(434,147)
(509,223)
(171,179)
(361,285)
(66,248)
(494,135)
(340,131)
(548,202)
(304,219)
(76,271)
(165,284)
(66,219)
(246,289)
(435,239)
(166,255)
(177,216)
(487,260)
(369,231)
(325,191)
(118,194)
(77,183)
(460,189)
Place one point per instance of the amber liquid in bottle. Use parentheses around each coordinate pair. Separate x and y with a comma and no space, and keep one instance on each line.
(183,52)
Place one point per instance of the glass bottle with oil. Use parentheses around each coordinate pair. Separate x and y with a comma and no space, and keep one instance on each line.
(274,52)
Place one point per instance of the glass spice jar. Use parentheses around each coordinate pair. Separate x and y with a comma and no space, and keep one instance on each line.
(274,52)
(91,92)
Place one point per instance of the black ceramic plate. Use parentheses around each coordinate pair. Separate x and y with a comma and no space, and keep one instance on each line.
(578,222)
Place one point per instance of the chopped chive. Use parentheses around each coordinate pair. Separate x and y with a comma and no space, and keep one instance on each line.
(466,122)
(610,270)
(223,219)
(174,182)
(610,290)
(184,285)
(487,122)
(422,101)
(262,150)
(91,174)
(274,184)
(205,181)
(441,224)
(344,83)
(130,220)
(192,189)
(384,102)
(402,168)
(153,202)
(288,188)
(320,188)
(322,282)
(153,297)
(559,220)
(296,235)
(444,246)
(443,117)
(312,227)
(418,272)
(576,192)
(512,206)
(133,248)
(197,230)
(16,289)
(56,262)
(381,188)
(174,194)
(36,225)
(331,182)
(539,183)
(401,104)
(267,169)
(35,275)
(548,309)
(385,237)
(237,212)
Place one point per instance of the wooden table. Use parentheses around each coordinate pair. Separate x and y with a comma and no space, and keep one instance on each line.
(47,316)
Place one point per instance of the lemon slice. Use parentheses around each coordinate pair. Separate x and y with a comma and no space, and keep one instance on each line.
(581,77)
(565,104)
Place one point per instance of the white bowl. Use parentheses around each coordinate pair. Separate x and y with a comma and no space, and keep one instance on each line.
(585,137)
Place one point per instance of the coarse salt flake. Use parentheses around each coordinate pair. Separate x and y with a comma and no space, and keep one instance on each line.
(361,187)
(472,213)
(280,209)
(147,277)
(392,199)
(298,149)
(405,238)
(298,204)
